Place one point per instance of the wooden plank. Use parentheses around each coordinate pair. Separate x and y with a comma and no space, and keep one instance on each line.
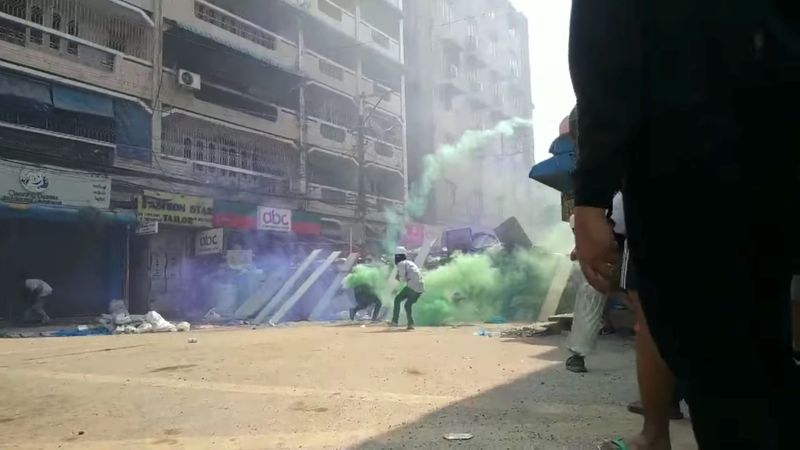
(557,285)
(263,294)
(298,294)
(276,300)
(334,288)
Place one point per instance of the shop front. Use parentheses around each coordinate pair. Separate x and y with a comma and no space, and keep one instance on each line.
(56,225)
(165,269)
(271,232)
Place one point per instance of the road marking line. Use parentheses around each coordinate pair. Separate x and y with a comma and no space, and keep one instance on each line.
(287,391)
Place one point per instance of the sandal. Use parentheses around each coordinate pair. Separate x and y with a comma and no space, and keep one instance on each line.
(616,444)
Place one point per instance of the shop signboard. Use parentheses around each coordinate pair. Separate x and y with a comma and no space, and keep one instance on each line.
(274,219)
(239,258)
(147,228)
(414,236)
(30,184)
(208,242)
(175,209)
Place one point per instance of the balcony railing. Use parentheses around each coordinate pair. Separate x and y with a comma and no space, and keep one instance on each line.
(223,19)
(380,41)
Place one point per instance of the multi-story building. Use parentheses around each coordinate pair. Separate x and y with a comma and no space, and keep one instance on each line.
(469,69)
(197,114)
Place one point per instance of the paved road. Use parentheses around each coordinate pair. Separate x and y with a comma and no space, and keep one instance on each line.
(312,387)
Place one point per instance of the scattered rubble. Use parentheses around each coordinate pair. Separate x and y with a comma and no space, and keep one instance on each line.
(533,330)
(119,321)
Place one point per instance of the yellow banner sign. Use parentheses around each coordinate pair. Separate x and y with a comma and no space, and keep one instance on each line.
(175,209)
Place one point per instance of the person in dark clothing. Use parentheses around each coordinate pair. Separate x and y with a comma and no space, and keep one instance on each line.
(365,297)
(696,104)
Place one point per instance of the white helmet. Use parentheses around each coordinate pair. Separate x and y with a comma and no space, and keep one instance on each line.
(401,251)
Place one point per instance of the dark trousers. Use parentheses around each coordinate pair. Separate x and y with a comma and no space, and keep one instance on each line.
(410,296)
(363,301)
(714,259)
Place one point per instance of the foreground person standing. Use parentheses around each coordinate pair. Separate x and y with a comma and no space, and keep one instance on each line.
(694,106)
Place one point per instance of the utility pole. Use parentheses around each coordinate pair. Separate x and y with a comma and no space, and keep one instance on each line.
(361,157)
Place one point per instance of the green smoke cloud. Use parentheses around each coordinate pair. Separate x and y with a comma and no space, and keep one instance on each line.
(477,287)
(433,164)
(363,275)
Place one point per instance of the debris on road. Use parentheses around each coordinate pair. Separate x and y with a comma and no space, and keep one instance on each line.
(533,330)
(78,331)
(193,341)
(458,436)
(119,321)
(483,332)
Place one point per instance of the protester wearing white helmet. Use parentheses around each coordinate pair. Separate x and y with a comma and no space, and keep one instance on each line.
(409,274)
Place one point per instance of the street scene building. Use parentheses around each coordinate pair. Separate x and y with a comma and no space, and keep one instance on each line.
(469,69)
(158,122)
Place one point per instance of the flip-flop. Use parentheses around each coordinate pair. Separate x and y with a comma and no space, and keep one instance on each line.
(616,444)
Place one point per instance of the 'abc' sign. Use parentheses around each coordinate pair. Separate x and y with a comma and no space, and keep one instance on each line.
(209,241)
(274,219)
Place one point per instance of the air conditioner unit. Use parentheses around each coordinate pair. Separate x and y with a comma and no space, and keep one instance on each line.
(189,80)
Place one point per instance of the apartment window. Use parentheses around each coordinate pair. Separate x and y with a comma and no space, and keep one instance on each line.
(330,10)
(332,133)
(212,153)
(55,41)
(199,154)
(72,28)
(493,48)
(331,70)
(447,11)
(380,39)
(37,17)
(447,100)
(384,149)
(515,67)
(472,29)
(233,25)
(187,148)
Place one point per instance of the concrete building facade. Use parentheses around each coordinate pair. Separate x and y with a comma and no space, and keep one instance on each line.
(191,107)
(469,68)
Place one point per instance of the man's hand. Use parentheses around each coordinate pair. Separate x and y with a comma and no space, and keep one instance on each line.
(596,247)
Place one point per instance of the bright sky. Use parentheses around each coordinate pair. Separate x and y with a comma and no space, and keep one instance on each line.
(548,21)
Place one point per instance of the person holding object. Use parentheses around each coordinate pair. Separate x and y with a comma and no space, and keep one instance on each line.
(409,274)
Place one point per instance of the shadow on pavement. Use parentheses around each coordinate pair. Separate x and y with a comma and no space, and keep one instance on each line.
(549,408)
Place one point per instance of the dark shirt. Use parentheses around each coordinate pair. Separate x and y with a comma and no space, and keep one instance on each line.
(658,85)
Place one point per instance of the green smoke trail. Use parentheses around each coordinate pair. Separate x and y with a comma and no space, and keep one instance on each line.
(433,164)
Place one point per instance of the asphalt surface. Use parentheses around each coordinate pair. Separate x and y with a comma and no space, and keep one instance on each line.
(313,387)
